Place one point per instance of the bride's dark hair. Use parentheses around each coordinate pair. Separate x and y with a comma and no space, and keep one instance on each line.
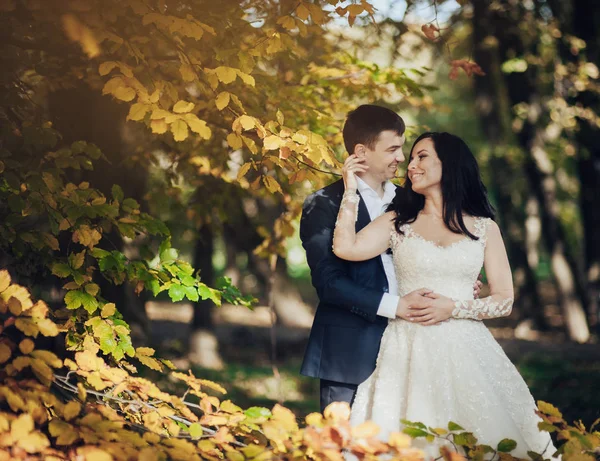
(462,188)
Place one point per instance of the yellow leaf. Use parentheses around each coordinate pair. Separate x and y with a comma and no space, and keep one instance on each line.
(337,411)
(222,100)
(65,433)
(42,371)
(94,454)
(226,74)
(106,67)
(49,357)
(33,442)
(4,280)
(302,12)
(158,126)
(243,170)
(285,418)
(247,122)
(108,310)
(21,426)
(124,93)
(365,430)
(180,130)
(151,362)
(314,419)
(71,410)
(234,141)
(51,241)
(77,259)
(300,138)
(287,22)
(271,184)
(78,32)
(144,351)
(5,352)
(81,392)
(92,289)
(26,346)
(272,142)
(198,126)
(246,78)
(27,326)
(279,116)
(47,327)
(182,107)
(161,113)
(187,73)
(138,111)
(399,440)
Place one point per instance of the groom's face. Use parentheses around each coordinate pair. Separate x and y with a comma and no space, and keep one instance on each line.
(384,156)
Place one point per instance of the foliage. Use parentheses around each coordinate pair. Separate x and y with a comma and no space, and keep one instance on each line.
(251,93)
(101,412)
(41,209)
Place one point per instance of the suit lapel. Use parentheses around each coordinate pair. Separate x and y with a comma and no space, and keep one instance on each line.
(363,214)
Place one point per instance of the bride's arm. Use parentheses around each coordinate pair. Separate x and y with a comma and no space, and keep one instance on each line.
(370,241)
(497,269)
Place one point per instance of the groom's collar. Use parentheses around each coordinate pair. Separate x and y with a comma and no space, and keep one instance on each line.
(389,190)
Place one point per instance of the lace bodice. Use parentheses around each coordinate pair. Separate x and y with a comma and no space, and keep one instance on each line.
(448,270)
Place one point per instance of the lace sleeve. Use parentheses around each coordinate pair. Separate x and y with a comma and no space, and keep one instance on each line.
(344,233)
(486,308)
(500,301)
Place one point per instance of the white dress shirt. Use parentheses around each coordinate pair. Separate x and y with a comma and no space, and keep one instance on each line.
(376,206)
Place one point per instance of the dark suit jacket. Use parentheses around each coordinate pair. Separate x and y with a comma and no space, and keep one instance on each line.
(346,332)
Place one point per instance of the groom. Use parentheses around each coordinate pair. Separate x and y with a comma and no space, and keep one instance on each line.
(356,299)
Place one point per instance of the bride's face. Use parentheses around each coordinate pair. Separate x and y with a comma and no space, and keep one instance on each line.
(425,167)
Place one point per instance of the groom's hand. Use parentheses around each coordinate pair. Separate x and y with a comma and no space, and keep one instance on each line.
(417,299)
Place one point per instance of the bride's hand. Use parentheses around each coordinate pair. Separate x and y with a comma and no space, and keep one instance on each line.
(440,309)
(353,165)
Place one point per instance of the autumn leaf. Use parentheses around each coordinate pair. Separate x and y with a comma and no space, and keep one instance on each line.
(182,107)
(234,141)
(5,352)
(198,126)
(226,74)
(138,111)
(222,100)
(158,126)
(180,130)
(272,142)
(272,185)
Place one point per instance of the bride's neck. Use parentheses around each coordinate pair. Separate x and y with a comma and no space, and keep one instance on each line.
(434,206)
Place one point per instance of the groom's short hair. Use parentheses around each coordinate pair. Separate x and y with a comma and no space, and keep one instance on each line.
(365,123)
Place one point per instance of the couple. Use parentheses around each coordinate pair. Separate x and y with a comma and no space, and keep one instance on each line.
(398,331)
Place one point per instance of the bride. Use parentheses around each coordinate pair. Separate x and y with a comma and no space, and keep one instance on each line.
(442,364)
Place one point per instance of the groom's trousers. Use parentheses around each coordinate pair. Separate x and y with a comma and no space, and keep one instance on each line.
(332,391)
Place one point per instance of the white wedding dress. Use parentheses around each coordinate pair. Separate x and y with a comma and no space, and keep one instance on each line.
(452,371)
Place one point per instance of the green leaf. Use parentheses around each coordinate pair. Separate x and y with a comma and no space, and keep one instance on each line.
(506,445)
(188,281)
(195,431)
(73,299)
(168,255)
(415,432)
(89,303)
(191,293)
(107,344)
(465,439)
(117,193)
(176,293)
(257,412)
(454,427)
(61,270)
